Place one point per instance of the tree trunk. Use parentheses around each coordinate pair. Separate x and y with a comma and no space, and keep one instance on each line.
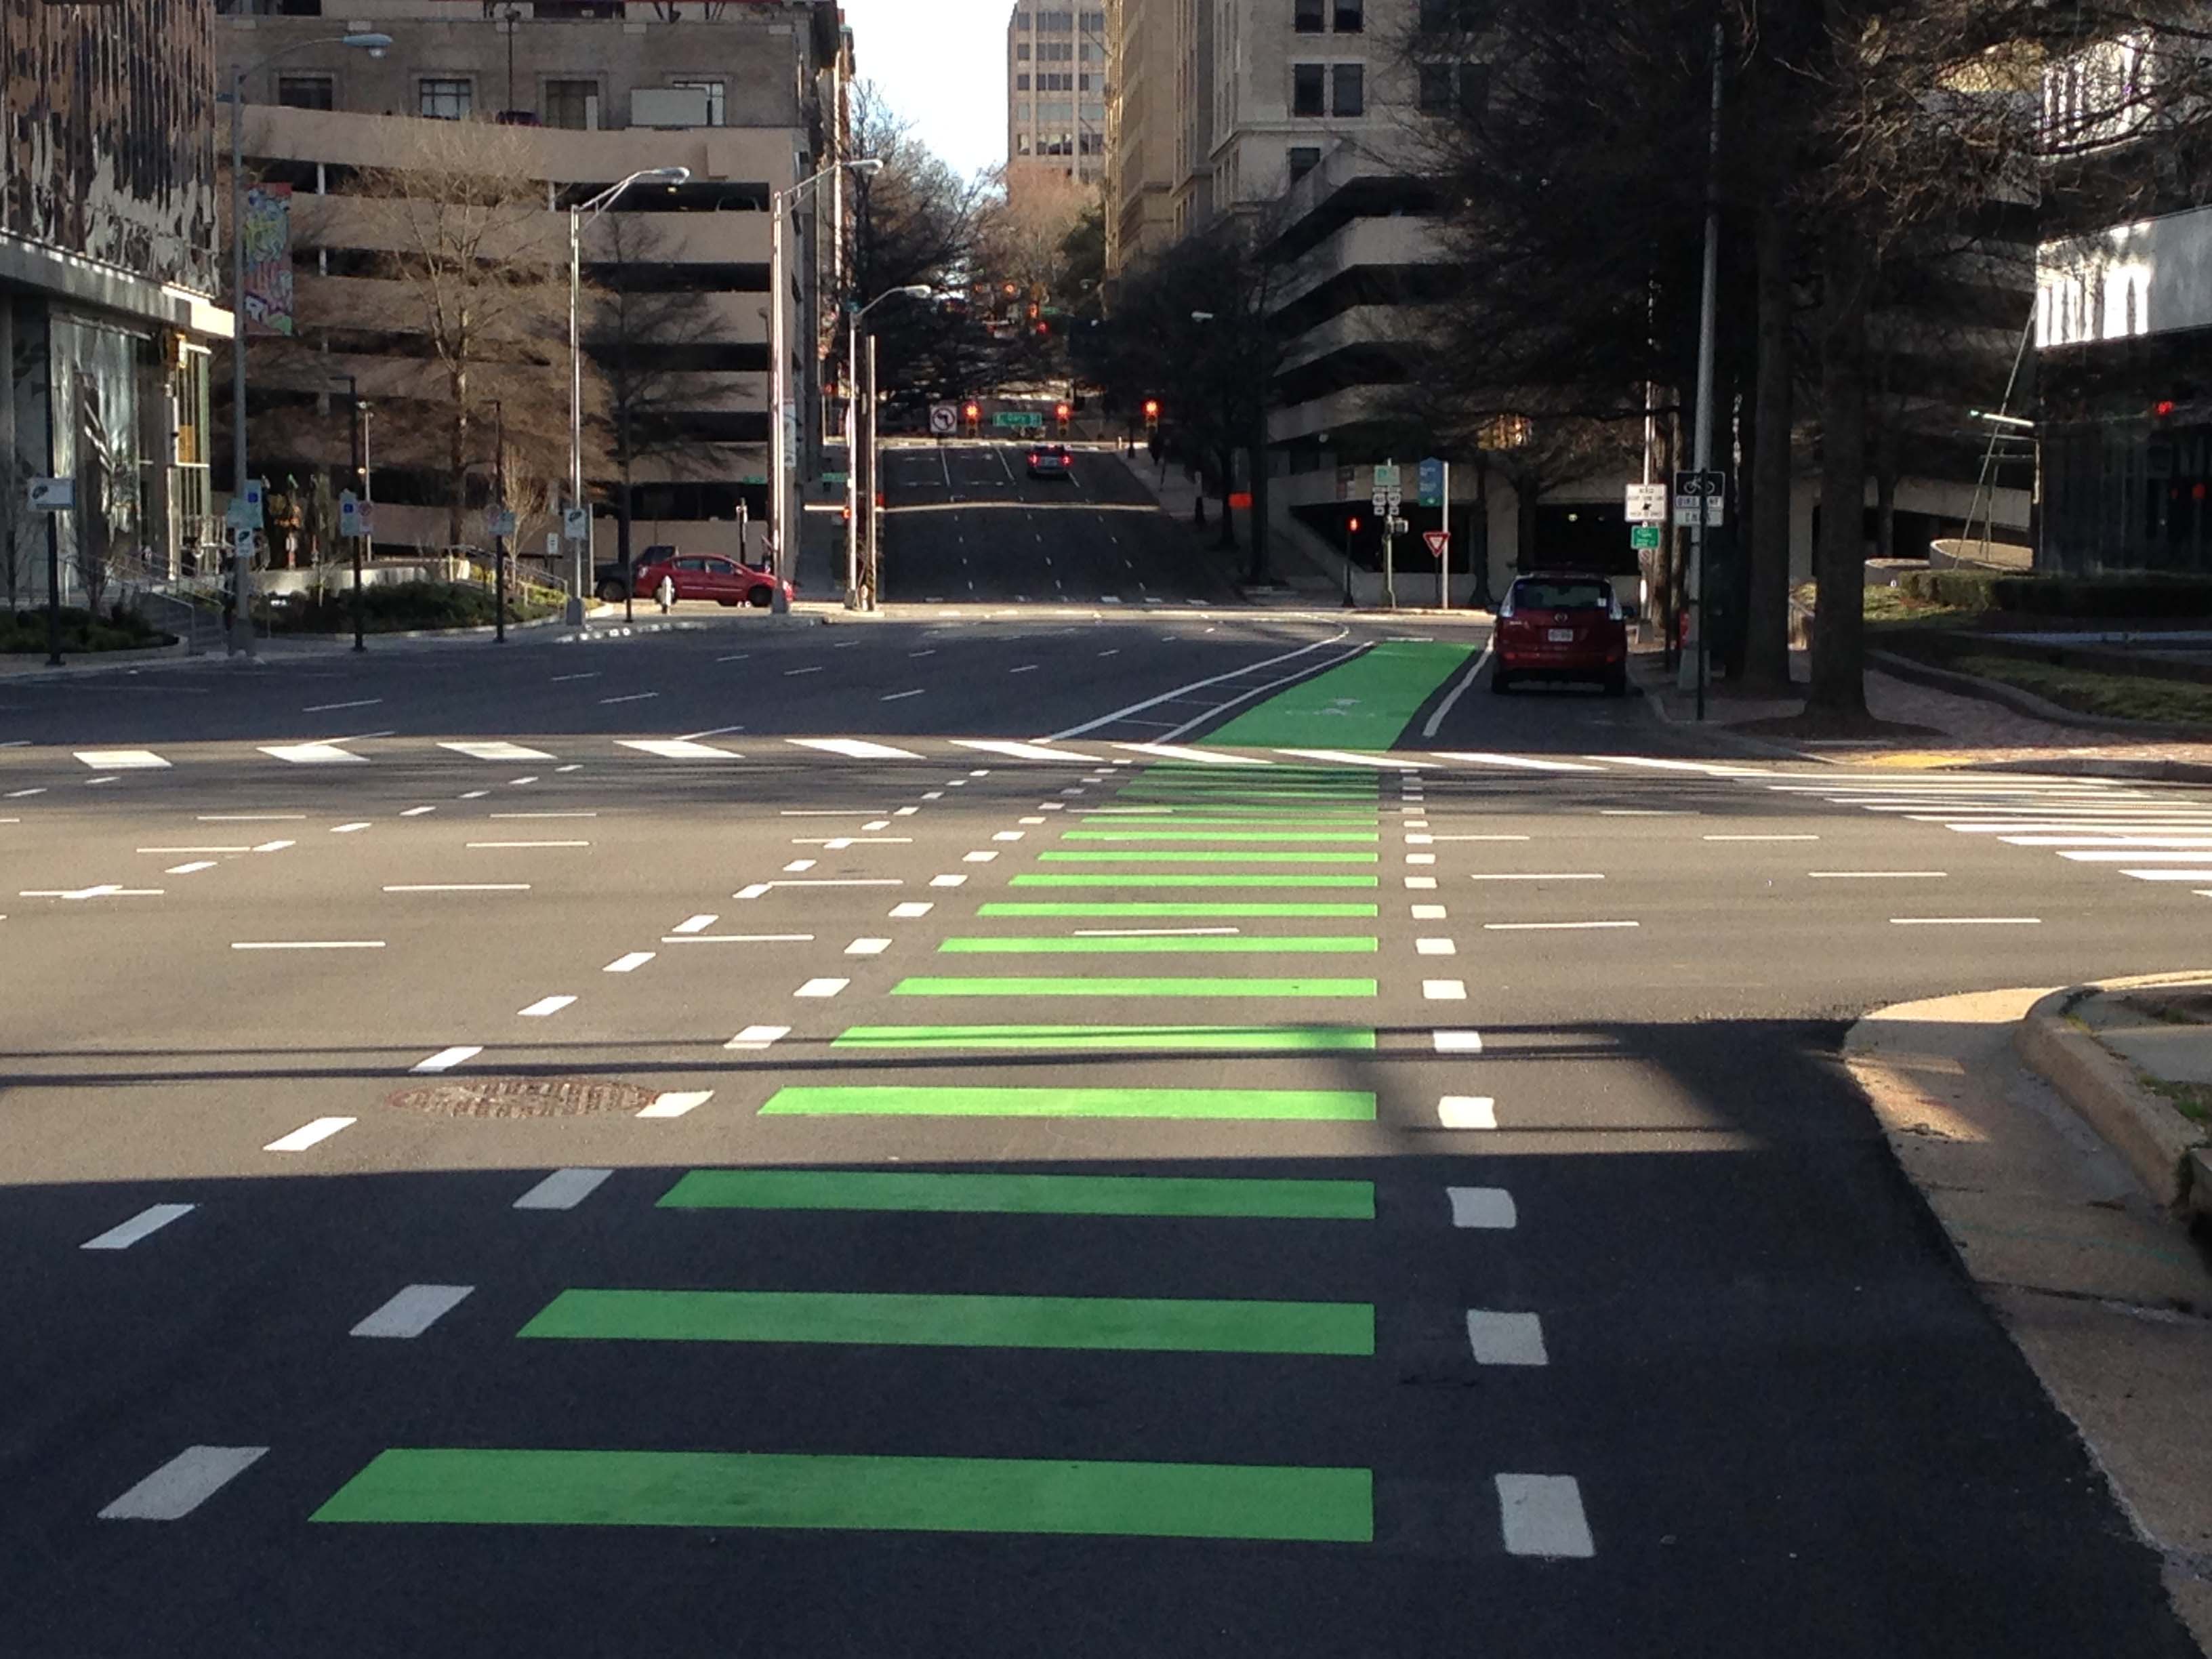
(621,514)
(1886,468)
(1257,575)
(1478,540)
(456,457)
(1766,621)
(1839,562)
(1228,542)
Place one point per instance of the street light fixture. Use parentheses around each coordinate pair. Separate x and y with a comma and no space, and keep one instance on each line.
(912,291)
(865,166)
(242,557)
(580,214)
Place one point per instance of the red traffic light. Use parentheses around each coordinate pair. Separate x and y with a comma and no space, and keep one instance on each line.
(1355,526)
(1062,411)
(974,413)
(2163,407)
(1151,408)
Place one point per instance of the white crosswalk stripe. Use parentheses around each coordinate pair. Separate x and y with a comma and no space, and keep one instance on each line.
(856,748)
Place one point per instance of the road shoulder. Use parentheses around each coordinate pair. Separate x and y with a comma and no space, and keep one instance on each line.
(2102,1291)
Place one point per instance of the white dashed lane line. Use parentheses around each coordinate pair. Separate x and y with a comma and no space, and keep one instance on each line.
(545,1007)
(183,1483)
(445,1058)
(149,1220)
(310,1134)
(564,1190)
(628,962)
(412,1311)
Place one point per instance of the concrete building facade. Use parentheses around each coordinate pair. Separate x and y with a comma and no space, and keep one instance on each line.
(751,98)
(109,239)
(1058,84)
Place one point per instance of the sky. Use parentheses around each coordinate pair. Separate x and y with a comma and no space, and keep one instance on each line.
(941,65)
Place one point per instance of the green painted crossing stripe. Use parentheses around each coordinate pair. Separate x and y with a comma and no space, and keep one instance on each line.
(1187,1196)
(486,1486)
(1179,833)
(1250,944)
(1140,908)
(1134,880)
(1362,704)
(918,1100)
(1209,858)
(1026,986)
(1142,1324)
(1126,1039)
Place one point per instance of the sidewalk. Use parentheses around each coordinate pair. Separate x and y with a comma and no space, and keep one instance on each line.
(1969,731)
(1177,493)
(2096,1280)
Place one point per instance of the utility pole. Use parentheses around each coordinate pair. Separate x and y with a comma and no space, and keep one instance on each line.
(499,542)
(1696,666)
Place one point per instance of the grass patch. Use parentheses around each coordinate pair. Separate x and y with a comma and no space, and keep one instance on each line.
(25,631)
(2192,1100)
(1895,605)
(2119,696)
(399,607)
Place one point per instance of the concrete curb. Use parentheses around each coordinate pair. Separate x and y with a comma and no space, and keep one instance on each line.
(2162,1147)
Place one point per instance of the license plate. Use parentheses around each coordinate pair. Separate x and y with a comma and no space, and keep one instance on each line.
(1560,636)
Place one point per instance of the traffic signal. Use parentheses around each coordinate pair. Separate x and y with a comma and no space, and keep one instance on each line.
(974,414)
(1062,414)
(1151,413)
(1355,525)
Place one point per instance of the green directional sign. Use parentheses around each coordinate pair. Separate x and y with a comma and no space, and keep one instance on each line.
(1643,537)
(1019,421)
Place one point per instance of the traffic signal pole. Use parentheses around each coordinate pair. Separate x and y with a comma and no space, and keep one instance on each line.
(1696,666)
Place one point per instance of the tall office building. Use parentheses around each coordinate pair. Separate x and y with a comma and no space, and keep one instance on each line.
(1056,90)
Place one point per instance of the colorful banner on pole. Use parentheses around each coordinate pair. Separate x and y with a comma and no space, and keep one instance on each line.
(268,297)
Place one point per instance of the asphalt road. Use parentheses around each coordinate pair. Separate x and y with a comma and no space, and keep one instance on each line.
(1099,1192)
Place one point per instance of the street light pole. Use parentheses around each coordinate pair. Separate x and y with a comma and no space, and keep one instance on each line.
(1696,667)
(580,214)
(856,315)
(242,556)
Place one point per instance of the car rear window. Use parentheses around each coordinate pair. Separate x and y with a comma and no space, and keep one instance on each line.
(1562,596)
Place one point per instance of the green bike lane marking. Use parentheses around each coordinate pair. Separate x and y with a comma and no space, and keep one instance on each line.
(1262,944)
(1025,985)
(1179,833)
(1363,704)
(918,1100)
(501,1487)
(1124,1039)
(1138,880)
(1208,860)
(1137,1324)
(1261,1199)
(1141,907)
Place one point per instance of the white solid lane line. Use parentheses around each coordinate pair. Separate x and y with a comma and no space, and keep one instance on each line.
(495,846)
(308,1134)
(248,817)
(635,697)
(737,938)
(543,815)
(677,748)
(460,887)
(313,754)
(1759,838)
(896,696)
(1486,1207)
(325,707)
(496,752)
(1547,875)
(1876,875)
(151,1220)
(2169,875)
(121,760)
(445,1058)
(676,1102)
(628,962)
(2132,854)
(413,1311)
(1466,1112)
(1966,922)
(758,1037)
(1524,761)
(307,945)
(1505,1339)
(183,1483)
(564,1190)
(543,1007)
(2026,841)
(822,987)
(1550,926)
(1541,1515)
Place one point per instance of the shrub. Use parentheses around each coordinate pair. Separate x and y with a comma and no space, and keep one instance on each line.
(396,607)
(2144,595)
(119,630)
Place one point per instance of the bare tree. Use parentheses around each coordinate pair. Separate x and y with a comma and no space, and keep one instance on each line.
(473,265)
(915,222)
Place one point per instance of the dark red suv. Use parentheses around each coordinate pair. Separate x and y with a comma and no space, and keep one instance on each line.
(1561,627)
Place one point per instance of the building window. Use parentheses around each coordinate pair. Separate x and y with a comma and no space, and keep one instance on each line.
(305,91)
(1311,17)
(1021,83)
(1348,90)
(1437,92)
(1473,88)
(1351,17)
(1094,144)
(1022,52)
(1022,21)
(1021,143)
(1446,17)
(1093,21)
(713,89)
(1304,158)
(1021,112)
(574,105)
(1308,82)
(444,99)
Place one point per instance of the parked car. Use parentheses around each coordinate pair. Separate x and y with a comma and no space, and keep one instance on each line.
(697,576)
(1562,627)
(1051,461)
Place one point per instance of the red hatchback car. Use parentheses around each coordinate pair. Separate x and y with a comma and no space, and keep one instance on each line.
(709,576)
(1561,627)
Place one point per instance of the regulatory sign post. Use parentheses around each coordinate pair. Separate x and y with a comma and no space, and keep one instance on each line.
(1388,493)
(944,420)
(1700,506)
(51,496)
(1647,504)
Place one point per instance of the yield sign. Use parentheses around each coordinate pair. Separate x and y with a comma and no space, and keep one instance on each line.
(1439,542)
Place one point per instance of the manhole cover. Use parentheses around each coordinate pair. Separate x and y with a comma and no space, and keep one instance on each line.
(525,1096)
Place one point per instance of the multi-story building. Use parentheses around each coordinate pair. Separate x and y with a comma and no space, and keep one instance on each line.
(1058,71)
(751,100)
(108,276)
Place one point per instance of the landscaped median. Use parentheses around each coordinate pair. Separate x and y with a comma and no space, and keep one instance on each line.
(2134,1058)
(404,607)
(117,629)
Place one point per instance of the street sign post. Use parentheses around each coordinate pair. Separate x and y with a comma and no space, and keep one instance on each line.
(1386,496)
(356,517)
(576,523)
(51,496)
(1700,498)
(1647,504)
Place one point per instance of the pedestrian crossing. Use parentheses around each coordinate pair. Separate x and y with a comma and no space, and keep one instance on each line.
(2145,832)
